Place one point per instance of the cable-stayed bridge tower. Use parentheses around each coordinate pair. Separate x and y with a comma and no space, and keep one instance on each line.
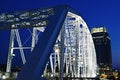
(60,43)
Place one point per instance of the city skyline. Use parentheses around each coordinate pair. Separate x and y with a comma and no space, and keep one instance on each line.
(95,13)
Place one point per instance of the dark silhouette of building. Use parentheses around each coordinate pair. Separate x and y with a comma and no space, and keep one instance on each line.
(102,43)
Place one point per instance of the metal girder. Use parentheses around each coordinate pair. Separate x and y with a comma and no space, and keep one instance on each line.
(41,54)
(62,23)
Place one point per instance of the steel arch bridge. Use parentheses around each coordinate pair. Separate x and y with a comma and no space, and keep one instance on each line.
(60,43)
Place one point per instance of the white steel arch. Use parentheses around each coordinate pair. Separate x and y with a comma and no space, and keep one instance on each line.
(79,53)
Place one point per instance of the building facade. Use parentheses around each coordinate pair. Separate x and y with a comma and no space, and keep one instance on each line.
(103,47)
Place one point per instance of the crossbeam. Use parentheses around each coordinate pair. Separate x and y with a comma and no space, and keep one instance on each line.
(24,24)
(26,19)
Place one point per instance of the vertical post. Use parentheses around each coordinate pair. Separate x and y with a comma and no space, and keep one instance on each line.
(10,53)
(33,38)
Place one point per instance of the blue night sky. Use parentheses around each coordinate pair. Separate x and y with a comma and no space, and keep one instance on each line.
(95,12)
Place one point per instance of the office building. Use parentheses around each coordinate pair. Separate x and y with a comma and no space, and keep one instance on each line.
(103,47)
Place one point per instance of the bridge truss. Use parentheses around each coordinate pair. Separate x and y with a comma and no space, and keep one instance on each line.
(60,43)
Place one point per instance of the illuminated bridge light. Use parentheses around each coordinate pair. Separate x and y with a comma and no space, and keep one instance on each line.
(61,43)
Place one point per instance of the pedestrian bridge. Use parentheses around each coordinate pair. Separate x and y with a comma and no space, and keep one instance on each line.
(60,43)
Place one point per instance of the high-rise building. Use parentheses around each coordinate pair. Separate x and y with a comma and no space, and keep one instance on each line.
(103,47)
